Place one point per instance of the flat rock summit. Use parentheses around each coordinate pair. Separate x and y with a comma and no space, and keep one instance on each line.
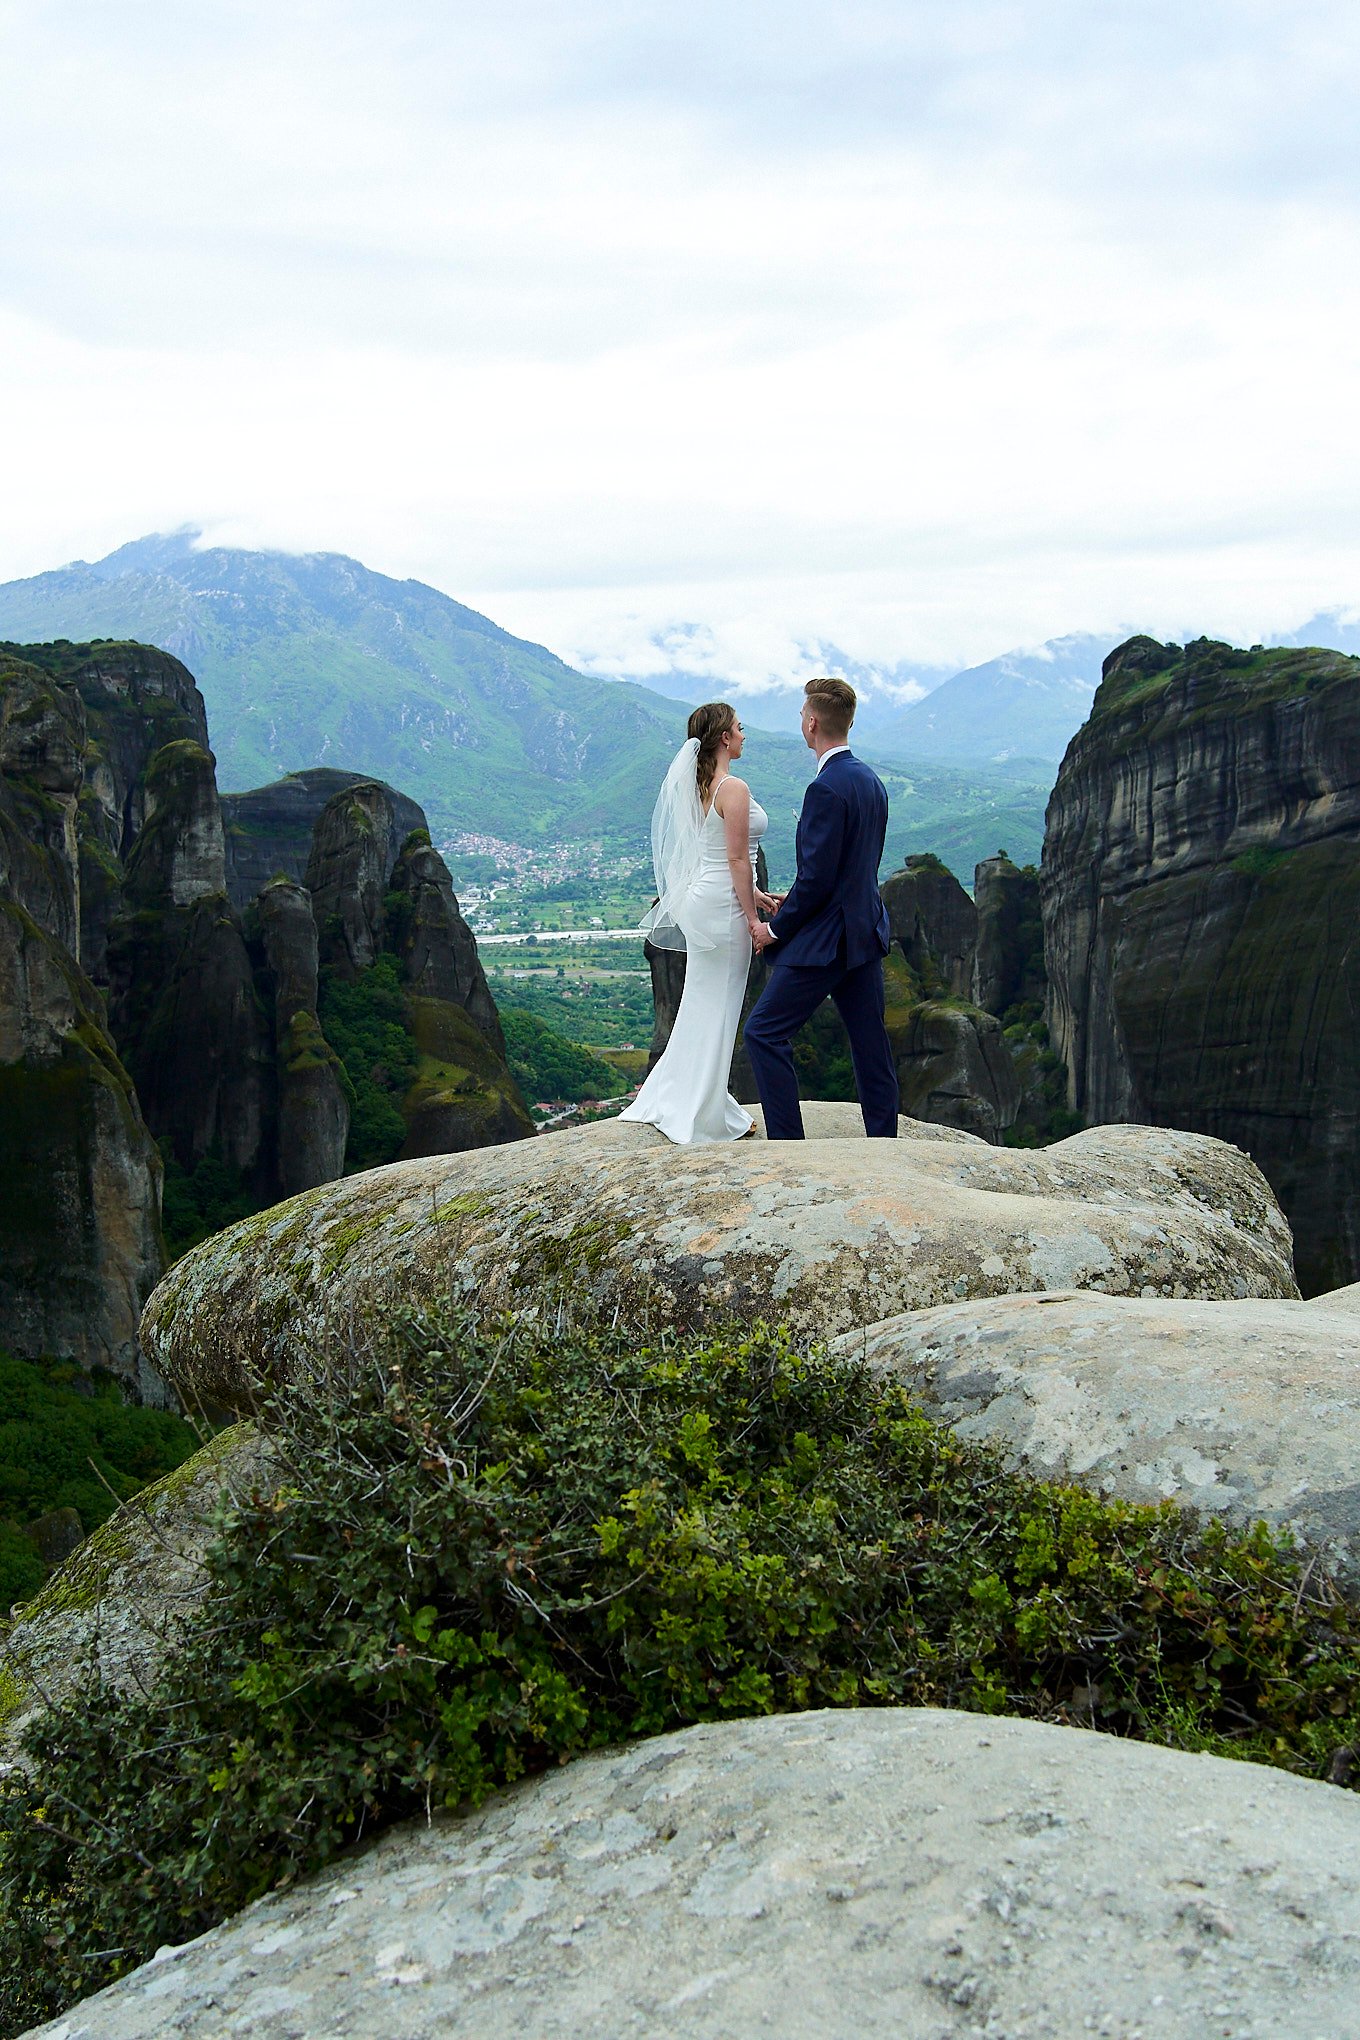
(856,1232)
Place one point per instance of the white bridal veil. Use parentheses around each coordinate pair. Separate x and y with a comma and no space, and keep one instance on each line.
(677,822)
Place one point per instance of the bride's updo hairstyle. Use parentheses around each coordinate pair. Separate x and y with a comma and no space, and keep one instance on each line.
(710,725)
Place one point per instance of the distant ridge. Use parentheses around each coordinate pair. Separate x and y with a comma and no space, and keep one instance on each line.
(314,659)
(310,660)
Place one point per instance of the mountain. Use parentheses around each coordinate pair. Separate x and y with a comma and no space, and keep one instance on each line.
(1337,629)
(311,660)
(696,672)
(1023,705)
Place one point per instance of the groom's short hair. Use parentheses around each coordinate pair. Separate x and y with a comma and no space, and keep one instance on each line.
(835,702)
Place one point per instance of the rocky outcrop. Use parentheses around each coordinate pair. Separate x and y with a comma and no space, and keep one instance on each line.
(177,857)
(137,1006)
(1008,957)
(347,877)
(827,1236)
(134,700)
(269,830)
(183,1000)
(873,1872)
(463,1095)
(933,923)
(1247,1412)
(42,765)
(953,1067)
(80,1179)
(80,1246)
(120,1598)
(436,948)
(313,1109)
(1201,888)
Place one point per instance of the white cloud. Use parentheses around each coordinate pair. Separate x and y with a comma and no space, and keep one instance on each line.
(916,331)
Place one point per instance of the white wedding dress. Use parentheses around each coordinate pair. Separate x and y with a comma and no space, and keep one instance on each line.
(686,1095)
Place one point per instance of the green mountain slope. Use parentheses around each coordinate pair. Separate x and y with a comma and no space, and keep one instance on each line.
(313,659)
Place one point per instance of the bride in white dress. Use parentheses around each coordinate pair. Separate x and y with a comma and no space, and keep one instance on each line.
(706,830)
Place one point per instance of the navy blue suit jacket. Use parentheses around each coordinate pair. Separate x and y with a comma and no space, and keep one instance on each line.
(833,910)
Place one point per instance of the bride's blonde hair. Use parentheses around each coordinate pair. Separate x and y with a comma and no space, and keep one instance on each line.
(710,724)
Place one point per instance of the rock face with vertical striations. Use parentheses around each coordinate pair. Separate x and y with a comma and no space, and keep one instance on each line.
(183,1001)
(313,1110)
(139,1004)
(347,876)
(1008,965)
(436,948)
(80,1242)
(268,831)
(954,1069)
(1201,893)
(80,1245)
(934,923)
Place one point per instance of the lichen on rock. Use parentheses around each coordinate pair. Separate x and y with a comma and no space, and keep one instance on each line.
(827,1235)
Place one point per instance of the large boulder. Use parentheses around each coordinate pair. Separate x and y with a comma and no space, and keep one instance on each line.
(121,1597)
(822,1876)
(1245,1411)
(827,1235)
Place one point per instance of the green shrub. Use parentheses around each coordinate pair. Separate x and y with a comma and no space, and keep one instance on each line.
(198,1202)
(69,1443)
(545,1065)
(502,1546)
(368,1024)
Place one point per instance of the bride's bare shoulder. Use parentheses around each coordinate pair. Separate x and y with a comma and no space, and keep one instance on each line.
(733,793)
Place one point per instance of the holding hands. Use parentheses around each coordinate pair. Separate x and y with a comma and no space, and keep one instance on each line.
(762,935)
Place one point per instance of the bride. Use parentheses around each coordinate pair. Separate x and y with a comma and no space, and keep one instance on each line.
(706,830)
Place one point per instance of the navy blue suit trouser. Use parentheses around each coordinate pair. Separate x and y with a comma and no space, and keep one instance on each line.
(789,1000)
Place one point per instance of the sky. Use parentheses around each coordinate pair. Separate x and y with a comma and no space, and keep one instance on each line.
(701,336)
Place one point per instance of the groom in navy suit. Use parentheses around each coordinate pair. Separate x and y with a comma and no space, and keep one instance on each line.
(829,937)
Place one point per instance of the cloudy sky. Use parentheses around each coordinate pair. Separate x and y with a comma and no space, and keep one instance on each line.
(921,329)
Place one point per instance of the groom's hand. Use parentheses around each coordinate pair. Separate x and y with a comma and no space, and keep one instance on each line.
(763,936)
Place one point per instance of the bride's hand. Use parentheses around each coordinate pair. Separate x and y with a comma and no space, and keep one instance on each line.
(768,903)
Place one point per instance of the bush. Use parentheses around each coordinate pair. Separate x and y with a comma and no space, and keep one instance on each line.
(69,1443)
(198,1202)
(545,1065)
(499,1547)
(368,1024)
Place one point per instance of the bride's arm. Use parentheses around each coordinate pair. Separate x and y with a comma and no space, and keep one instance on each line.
(733,802)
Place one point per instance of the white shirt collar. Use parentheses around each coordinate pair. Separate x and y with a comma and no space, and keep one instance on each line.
(834,752)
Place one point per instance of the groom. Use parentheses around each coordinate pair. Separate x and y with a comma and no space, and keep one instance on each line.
(829,937)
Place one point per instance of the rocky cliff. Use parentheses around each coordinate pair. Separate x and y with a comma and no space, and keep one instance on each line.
(140,1004)
(268,832)
(1201,892)
(80,1177)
